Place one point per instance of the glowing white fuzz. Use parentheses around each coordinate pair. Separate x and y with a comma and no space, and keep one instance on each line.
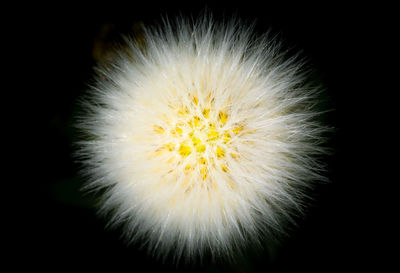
(204,138)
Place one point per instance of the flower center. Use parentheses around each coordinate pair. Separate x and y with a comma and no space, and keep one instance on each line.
(199,136)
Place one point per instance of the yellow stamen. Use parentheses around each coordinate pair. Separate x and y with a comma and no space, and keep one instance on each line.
(196,121)
(203,161)
(185,150)
(169,146)
(212,135)
(187,168)
(203,172)
(200,148)
(195,100)
(158,129)
(178,130)
(220,152)
(237,130)
(226,137)
(196,141)
(223,117)
(157,152)
(206,113)
(183,112)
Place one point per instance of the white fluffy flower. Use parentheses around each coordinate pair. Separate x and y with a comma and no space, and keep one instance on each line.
(204,138)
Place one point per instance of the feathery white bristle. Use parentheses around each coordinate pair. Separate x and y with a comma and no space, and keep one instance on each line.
(204,138)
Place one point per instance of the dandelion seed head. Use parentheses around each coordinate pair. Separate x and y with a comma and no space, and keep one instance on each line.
(204,139)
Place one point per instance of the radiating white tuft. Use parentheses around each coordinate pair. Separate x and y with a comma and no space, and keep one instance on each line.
(204,139)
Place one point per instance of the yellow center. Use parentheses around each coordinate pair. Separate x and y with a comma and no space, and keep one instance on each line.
(201,138)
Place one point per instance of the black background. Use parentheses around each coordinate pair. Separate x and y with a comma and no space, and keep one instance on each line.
(62,229)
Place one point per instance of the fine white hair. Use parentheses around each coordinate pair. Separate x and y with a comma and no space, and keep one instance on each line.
(201,138)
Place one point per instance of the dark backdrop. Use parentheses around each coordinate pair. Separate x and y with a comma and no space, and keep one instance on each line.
(63,229)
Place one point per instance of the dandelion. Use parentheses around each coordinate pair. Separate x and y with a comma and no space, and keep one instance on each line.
(203,140)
